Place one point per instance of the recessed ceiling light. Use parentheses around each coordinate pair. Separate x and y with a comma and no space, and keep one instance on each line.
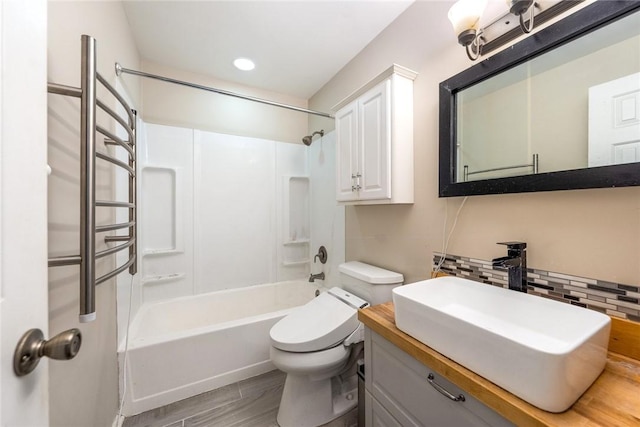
(244,64)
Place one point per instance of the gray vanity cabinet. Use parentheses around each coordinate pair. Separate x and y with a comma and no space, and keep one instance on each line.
(398,392)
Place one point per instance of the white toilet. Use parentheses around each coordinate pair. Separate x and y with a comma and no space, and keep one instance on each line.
(317,346)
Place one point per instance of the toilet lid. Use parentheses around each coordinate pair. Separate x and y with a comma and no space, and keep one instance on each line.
(322,323)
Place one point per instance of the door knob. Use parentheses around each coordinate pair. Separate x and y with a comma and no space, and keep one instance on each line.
(32,347)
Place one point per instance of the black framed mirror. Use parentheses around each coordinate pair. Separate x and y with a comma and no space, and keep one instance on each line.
(533,117)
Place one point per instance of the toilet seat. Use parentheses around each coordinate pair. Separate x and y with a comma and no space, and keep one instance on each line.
(322,323)
(317,364)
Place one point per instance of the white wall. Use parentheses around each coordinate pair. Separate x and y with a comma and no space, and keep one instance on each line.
(83,392)
(235,211)
(165,213)
(216,209)
(591,233)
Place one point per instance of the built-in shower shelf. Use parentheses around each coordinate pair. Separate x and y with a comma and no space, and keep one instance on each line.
(296,221)
(163,278)
(295,263)
(160,252)
(297,242)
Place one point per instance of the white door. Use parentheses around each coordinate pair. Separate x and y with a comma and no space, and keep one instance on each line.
(374,113)
(23,204)
(614,122)
(347,152)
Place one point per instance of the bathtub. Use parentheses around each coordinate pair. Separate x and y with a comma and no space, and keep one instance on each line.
(190,345)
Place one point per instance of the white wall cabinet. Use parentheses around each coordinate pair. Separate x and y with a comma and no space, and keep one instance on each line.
(398,392)
(374,141)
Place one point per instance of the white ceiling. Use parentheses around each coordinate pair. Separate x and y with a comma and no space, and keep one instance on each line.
(297,45)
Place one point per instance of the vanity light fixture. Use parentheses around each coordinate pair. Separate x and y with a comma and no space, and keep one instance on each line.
(465,17)
(244,64)
(520,8)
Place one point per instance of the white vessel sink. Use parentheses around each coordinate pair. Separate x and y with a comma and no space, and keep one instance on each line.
(543,351)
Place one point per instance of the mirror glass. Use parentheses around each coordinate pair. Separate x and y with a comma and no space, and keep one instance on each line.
(574,107)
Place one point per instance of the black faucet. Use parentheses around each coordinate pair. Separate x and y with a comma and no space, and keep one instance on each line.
(515,263)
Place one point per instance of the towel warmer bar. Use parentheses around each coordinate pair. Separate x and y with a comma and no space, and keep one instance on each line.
(88,203)
(534,164)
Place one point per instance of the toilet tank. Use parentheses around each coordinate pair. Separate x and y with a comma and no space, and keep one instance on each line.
(372,284)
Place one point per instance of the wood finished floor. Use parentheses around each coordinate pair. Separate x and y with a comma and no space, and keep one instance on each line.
(250,403)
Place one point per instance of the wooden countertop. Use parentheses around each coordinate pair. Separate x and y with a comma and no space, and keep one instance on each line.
(612,400)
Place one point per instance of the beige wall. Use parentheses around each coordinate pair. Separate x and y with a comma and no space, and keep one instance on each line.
(593,233)
(175,105)
(84,391)
(493,134)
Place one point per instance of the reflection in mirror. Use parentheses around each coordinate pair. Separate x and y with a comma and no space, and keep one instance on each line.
(575,107)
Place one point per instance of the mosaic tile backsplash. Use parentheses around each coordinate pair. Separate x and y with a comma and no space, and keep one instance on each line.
(614,299)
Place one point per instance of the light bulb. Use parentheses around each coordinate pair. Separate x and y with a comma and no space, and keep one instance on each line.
(465,15)
(244,64)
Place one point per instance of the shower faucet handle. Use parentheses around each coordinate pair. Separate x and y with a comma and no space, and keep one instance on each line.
(321,255)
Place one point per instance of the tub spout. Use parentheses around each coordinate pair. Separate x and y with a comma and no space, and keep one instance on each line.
(313,277)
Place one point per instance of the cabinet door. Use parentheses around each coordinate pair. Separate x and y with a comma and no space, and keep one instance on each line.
(347,152)
(400,384)
(376,415)
(374,114)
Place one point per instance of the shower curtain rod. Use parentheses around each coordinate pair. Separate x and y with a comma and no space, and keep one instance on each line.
(120,70)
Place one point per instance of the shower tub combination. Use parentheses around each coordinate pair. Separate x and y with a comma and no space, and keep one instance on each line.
(187,346)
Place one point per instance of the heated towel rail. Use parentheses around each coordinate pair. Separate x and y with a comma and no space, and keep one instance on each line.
(534,165)
(88,203)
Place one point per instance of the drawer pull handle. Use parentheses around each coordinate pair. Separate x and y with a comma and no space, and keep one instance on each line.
(459,398)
